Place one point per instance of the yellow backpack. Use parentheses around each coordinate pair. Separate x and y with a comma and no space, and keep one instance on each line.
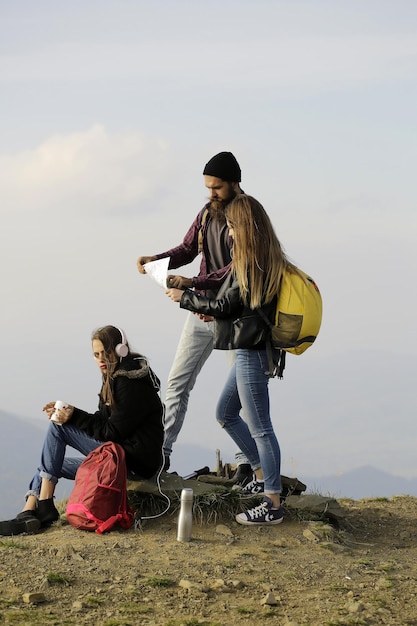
(297,318)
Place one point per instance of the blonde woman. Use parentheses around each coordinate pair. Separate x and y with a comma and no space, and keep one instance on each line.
(257,266)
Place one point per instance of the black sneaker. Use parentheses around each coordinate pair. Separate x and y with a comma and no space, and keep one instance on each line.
(252,488)
(19,525)
(262,515)
(243,475)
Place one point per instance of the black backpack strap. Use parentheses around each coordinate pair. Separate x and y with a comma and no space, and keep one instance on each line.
(265,318)
(281,364)
(276,367)
(276,361)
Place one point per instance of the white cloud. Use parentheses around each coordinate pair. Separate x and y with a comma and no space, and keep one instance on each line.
(81,170)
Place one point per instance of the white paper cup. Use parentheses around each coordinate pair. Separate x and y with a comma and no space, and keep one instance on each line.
(58,405)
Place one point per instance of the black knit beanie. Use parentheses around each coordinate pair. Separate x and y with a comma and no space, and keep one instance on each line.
(224,166)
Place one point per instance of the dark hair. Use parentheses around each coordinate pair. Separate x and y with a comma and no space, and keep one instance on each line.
(110,337)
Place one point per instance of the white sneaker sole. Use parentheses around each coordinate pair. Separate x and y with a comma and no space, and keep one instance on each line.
(245,522)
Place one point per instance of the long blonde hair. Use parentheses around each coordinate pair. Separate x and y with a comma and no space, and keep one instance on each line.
(258,258)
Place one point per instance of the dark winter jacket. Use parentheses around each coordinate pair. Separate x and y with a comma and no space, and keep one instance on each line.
(136,419)
(237,326)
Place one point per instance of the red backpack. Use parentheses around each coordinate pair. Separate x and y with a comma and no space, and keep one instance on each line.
(99,498)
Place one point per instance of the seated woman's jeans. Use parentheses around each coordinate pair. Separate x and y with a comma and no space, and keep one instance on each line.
(54,465)
(246,389)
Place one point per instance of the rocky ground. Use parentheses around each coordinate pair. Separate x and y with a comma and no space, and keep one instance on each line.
(359,570)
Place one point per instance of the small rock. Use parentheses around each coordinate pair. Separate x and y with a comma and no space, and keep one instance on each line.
(383,583)
(78,605)
(355,607)
(189,585)
(218,585)
(222,529)
(308,534)
(280,543)
(66,550)
(327,507)
(269,599)
(34,598)
(237,584)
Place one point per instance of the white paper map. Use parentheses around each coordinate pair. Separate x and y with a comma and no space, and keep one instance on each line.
(158,271)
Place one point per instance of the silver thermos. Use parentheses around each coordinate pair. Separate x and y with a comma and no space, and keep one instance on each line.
(185,519)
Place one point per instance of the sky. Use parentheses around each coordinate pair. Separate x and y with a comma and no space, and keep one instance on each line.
(109,112)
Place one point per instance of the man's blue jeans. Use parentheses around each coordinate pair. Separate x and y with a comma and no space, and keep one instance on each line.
(54,465)
(194,348)
(246,389)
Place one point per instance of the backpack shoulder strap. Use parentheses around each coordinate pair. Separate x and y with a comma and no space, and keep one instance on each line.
(265,318)
(275,368)
(203,218)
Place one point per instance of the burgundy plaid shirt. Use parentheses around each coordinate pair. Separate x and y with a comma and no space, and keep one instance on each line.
(187,251)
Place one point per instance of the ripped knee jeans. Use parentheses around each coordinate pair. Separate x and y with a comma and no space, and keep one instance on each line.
(243,411)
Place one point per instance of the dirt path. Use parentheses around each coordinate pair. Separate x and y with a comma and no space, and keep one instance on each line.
(300,573)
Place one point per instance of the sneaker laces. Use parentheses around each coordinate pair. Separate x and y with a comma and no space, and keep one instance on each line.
(258,511)
(254,486)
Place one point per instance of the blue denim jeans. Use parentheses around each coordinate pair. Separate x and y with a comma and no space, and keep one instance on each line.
(246,389)
(240,458)
(194,348)
(54,464)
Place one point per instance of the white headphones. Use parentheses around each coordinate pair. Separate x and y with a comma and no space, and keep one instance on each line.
(121,349)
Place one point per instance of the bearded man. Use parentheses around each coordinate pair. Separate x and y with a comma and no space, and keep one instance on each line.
(208,235)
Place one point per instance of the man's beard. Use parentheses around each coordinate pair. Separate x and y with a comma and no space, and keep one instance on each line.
(218,207)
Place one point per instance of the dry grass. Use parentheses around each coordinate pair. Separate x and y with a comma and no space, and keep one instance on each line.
(209,507)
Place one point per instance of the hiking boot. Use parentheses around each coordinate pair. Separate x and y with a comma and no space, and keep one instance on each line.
(46,512)
(252,488)
(243,475)
(25,522)
(262,515)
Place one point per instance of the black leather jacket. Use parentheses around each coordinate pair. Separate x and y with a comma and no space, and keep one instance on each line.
(237,326)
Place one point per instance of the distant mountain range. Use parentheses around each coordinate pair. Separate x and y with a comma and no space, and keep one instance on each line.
(20,448)
(21,443)
(362,482)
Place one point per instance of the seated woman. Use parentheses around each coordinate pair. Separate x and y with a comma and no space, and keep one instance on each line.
(130,413)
